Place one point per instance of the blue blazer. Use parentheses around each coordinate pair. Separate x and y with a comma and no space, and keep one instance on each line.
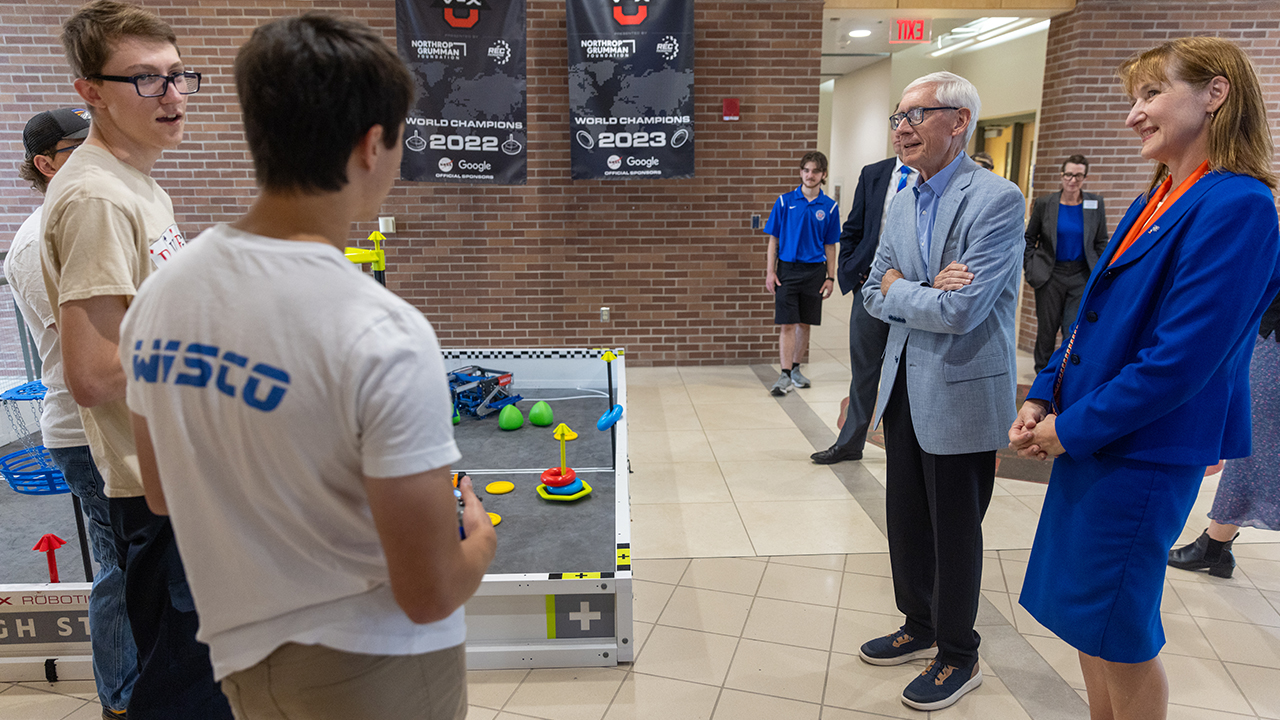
(861,233)
(961,368)
(1159,370)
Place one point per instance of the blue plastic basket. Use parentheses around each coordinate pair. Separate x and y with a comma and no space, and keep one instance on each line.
(31,471)
(33,390)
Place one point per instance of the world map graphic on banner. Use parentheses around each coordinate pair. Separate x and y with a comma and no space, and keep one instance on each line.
(469,121)
(631,88)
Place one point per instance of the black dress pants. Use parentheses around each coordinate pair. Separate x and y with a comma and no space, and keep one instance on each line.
(934,506)
(1057,304)
(175,676)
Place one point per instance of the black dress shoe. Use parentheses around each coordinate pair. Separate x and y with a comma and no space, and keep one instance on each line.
(1205,554)
(835,454)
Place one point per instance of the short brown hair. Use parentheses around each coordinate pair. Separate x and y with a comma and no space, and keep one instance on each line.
(813,156)
(1239,137)
(310,87)
(29,172)
(88,34)
(1076,160)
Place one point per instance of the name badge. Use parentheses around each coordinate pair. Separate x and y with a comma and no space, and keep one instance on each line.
(1090,204)
(170,242)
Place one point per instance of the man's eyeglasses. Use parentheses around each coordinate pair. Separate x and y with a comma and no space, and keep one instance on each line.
(1073,176)
(914,116)
(68,148)
(151,85)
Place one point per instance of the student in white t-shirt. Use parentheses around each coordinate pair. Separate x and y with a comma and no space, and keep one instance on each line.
(107,225)
(49,139)
(292,415)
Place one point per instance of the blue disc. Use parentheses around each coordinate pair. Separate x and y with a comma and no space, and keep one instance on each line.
(571,489)
(608,419)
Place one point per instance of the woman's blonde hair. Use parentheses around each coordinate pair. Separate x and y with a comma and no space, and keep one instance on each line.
(1239,138)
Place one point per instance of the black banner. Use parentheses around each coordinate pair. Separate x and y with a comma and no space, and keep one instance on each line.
(631,88)
(469,124)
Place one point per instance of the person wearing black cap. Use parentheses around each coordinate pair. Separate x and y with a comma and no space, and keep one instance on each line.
(50,138)
(107,227)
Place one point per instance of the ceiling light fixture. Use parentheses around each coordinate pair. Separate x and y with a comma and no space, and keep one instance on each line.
(859,33)
(1012,35)
(951,48)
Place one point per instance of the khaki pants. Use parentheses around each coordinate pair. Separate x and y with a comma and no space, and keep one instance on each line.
(312,682)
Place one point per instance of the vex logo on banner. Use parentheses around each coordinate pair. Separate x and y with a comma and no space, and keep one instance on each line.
(636,17)
(471,10)
(468,62)
(631,88)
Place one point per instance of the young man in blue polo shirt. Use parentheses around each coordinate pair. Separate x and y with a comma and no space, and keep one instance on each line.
(804,232)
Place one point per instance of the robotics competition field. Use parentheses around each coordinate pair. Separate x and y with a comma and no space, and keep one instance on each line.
(558,593)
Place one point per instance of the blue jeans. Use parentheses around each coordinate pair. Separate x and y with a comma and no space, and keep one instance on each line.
(115,657)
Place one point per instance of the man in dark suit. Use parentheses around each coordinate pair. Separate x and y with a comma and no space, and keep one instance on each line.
(877,184)
(1065,237)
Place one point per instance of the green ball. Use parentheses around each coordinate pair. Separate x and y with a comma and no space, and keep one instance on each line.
(540,414)
(510,418)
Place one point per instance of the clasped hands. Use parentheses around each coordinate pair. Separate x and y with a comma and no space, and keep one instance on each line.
(1034,433)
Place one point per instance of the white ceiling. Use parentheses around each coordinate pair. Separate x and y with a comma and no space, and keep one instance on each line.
(842,54)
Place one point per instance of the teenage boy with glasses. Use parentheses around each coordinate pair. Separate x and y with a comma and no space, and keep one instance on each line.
(323,544)
(107,226)
(49,138)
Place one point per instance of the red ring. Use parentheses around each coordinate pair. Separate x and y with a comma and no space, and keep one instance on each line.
(553,478)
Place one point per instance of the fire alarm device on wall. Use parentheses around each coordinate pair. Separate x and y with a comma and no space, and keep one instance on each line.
(731,109)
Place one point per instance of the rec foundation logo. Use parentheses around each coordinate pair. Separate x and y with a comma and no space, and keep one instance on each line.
(445,165)
(668,48)
(500,51)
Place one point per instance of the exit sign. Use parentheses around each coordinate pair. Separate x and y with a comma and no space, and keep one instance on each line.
(911,31)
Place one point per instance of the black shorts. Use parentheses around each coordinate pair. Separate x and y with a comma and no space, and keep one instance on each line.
(798,299)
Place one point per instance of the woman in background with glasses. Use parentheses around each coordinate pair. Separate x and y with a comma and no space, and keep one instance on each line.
(1065,237)
(1153,384)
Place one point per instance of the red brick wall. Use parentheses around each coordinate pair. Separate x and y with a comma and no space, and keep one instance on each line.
(509,266)
(1083,107)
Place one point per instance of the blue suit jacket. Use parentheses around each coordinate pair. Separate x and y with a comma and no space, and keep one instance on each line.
(1159,370)
(961,367)
(861,233)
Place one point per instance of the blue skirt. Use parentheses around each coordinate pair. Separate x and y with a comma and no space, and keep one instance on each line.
(1096,573)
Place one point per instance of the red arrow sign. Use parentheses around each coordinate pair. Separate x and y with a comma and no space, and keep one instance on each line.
(48,544)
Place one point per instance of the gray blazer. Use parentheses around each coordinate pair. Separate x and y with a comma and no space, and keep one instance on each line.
(1042,236)
(959,345)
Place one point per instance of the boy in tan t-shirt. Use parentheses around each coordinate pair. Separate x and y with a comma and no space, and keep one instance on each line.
(107,225)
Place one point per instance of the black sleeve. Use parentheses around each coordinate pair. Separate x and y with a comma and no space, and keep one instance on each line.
(852,277)
(1032,235)
(1270,318)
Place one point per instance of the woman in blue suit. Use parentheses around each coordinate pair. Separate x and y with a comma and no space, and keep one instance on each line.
(1153,385)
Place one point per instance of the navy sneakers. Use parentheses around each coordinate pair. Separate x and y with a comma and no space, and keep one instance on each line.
(941,685)
(897,648)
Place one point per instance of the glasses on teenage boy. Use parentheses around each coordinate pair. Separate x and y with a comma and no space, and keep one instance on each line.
(68,148)
(914,116)
(1073,176)
(152,85)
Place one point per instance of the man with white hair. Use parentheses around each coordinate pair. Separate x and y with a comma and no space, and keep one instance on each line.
(945,279)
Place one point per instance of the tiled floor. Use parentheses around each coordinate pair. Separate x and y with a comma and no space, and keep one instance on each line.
(759,574)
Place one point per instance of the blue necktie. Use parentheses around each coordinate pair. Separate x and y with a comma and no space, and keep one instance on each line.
(905,173)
